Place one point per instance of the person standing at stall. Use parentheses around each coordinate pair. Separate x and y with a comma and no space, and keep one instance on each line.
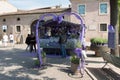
(62,42)
(32,42)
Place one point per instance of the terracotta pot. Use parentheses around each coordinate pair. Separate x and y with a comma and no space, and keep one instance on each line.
(99,48)
(44,60)
(74,68)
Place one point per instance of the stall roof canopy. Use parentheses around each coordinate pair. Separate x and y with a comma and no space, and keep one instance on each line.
(52,23)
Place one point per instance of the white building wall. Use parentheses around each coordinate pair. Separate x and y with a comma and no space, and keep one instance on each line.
(25,22)
(92,18)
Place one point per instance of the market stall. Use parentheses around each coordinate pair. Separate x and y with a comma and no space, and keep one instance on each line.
(51,30)
(48,32)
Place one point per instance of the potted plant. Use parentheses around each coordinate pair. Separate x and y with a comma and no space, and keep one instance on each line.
(74,64)
(98,45)
(43,59)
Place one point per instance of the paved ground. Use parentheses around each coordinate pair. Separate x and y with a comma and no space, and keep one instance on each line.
(18,64)
(95,65)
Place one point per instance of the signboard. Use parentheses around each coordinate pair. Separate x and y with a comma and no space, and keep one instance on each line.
(92,27)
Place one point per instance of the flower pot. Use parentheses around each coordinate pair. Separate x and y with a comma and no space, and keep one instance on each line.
(44,60)
(74,68)
(99,48)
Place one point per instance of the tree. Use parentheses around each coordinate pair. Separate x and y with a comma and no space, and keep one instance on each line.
(114,21)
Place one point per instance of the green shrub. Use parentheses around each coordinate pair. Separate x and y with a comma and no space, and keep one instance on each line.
(98,40)
(92,40)
(43,54)
(74,59)
(36,62)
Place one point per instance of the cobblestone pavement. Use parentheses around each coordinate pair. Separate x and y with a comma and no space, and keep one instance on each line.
(18,64)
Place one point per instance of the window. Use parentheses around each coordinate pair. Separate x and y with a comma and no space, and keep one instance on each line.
(4,20)
(103,8)
(103,27)
(18,19)
(18,28)
(4,28)
(81,9)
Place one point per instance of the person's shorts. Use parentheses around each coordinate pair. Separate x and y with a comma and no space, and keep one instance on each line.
(11,41)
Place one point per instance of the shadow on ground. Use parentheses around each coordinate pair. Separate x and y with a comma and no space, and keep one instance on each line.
(18,64)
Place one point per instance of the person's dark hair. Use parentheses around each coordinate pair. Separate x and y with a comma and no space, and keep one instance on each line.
(78,33)
(28,34)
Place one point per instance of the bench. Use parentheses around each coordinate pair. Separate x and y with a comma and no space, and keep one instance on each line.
(109,58)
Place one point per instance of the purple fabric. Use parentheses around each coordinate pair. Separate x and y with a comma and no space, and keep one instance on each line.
(60,19)
(111,37)
(81,66)
(37,38)
(82,34)
(38,44)
(78,52)
(111,29)
(48,14)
